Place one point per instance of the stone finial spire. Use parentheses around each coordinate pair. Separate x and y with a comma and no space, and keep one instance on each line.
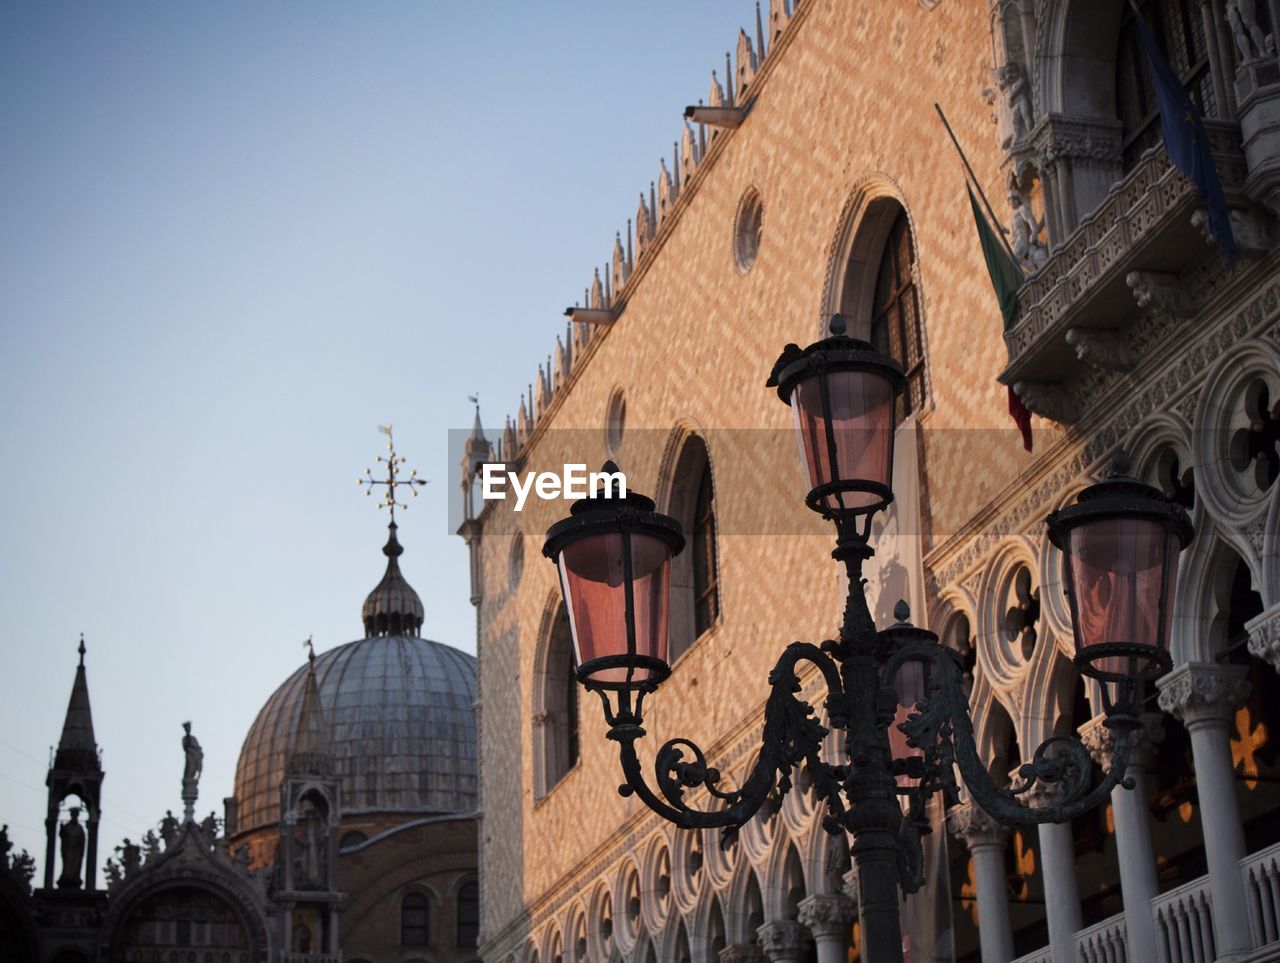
(77,749)
(747,66)
(597,291)
(310,754)
(715,98)
(76,771)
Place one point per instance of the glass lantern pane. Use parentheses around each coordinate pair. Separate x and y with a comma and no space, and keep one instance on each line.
(592,575)
(861,427)
(911,685)
(1119,572)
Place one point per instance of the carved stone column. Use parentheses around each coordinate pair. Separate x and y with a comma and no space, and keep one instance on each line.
(829,919)
(986,840)
(1058,867)
(1138,886)
(1205,697)
(783,941)
(1264,636)
(742,953)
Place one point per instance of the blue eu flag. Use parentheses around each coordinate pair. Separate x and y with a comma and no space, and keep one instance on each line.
(1187,144)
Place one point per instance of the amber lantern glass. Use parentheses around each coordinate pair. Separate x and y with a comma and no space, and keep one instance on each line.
(614,559)
(910,685)
(1121,542)
(842,394)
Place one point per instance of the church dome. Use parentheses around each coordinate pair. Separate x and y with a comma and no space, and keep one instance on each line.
(398,709)
(402,732)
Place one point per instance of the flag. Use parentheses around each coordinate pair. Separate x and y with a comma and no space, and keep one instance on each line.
(1186,142)
(1006,278)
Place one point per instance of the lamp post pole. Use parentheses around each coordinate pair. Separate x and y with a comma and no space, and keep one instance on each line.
(896,693)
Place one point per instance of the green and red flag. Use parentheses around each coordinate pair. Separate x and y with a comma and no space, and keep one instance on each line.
(1006,278)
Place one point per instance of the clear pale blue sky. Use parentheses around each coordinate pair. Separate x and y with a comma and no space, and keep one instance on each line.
(234,238)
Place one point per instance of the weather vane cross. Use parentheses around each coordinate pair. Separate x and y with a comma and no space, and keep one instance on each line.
(393,480)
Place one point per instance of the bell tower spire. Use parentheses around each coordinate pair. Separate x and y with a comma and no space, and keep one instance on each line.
(76,771)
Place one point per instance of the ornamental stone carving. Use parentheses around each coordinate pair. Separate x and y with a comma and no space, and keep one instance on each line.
(1100,741)
(1049,399)
(1102,349)
(1204,694)
(827,916)
(1059,137)
(742,953)
(1264,636)
(976,827)
(850,887)
(1159,292)
(783,940)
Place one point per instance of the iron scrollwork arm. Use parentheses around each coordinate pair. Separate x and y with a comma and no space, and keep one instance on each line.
(941,729)
(792,734)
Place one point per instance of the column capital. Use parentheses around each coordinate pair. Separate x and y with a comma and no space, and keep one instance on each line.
(741,953)
(1264,636)
(1204,693)
(1101,741)
(975,826)
(850,884)
(783,939)
(827,915)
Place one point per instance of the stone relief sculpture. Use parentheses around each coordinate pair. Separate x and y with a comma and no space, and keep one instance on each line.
(1242,17)
(71,835)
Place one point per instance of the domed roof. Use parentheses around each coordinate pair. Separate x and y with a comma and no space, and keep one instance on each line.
(402,731)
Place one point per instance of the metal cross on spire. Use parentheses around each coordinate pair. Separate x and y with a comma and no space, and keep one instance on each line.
(393,479)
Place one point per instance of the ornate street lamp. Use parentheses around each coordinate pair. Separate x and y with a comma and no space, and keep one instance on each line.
(897,694)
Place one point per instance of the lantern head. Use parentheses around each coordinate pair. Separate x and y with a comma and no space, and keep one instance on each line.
(614,553)
(842,394)
(1121,542)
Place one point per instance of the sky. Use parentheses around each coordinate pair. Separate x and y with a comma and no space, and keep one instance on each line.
(234,239)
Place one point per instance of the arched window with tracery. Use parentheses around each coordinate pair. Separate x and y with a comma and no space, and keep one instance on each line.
(415,920)
(895,311)
(556,707)
(879,288)
(1178,27)
(695,581)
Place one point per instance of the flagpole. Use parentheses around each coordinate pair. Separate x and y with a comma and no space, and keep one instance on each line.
(981,193)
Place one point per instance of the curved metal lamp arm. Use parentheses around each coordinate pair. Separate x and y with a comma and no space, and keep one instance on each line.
(942,729)
(792,735)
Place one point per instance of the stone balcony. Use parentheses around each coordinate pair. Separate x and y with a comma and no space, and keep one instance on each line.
(1126,256)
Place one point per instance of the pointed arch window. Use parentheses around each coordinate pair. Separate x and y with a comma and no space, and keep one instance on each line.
(556,707)
(695,572)
(415,920)
(895,310)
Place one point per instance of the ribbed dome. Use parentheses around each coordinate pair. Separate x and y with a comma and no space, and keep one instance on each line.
(401,731)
